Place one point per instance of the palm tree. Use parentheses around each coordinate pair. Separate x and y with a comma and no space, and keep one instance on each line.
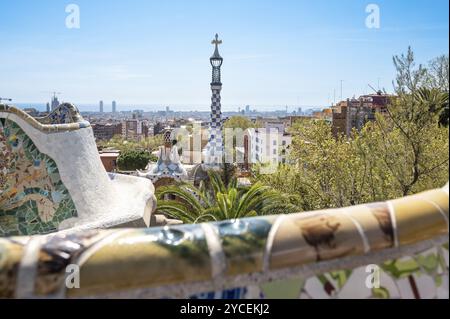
(435,101)
(221,201)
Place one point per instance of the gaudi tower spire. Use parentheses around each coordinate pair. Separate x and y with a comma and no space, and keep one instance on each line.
(215,145)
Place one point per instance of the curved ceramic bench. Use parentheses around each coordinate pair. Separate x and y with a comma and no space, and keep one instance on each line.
(393,249)
(52,178)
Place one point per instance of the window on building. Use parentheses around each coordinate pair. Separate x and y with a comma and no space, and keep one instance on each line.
(283,143)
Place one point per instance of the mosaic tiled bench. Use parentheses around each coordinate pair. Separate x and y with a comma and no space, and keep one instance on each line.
(52,178)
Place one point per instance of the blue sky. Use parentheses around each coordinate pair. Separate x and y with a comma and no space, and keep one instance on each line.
(275,53)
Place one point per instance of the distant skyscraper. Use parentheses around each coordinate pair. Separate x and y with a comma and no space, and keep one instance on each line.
(101,107)
(114,107)
(214,150)
(55,102)
(48,107)
(247,109)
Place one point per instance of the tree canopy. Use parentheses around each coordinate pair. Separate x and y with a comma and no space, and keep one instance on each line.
(131,160)
(241,122)
(148,144)
(400,153)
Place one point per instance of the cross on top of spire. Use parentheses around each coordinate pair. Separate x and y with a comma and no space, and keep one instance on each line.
(216,42)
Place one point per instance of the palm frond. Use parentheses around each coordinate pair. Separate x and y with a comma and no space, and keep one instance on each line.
(176,210)
(215,200)
(181,193)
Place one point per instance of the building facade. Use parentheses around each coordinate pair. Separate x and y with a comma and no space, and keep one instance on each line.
(134,129)
(355,113)
(268,146)
(106,131)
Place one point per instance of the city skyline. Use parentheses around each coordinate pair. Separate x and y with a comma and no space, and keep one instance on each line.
(94,107)
(293,54)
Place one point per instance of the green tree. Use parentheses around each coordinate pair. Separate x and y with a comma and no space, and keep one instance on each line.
(151,143)
(220,202)
(326,172)
(148,144)
(411,78)
(407,135)
(131,160)
(437,76)
(228,173)
(438,79)
(241,122)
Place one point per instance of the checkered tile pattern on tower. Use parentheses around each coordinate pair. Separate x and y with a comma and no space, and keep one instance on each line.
(215,145)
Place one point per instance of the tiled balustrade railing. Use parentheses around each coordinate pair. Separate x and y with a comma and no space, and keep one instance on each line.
(315,254)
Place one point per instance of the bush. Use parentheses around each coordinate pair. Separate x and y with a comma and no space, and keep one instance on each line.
(133,160)
(153,158)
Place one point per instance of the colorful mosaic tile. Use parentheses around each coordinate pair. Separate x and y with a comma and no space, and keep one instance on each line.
(33,199)
(243,243)
(63,119)
(420,276)
(313,255)
(64,114)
